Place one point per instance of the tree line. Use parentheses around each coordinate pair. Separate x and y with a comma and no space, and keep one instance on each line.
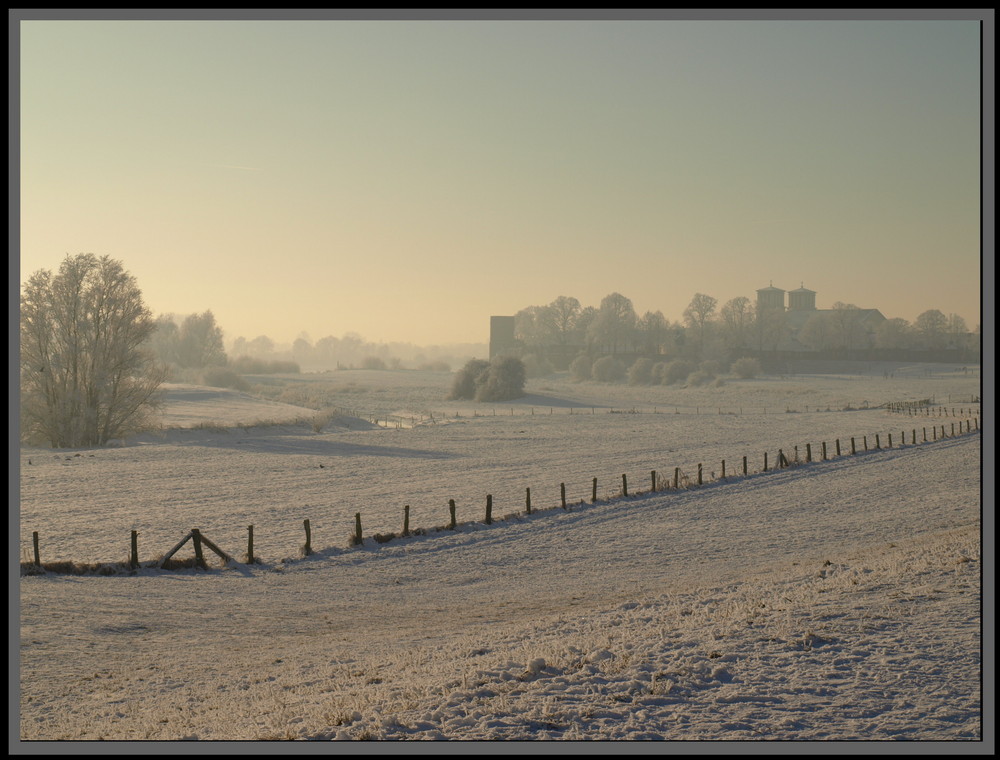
(93,358)
(564,328)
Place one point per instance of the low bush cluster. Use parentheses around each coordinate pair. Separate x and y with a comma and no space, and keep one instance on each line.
(248,365)
(501,379)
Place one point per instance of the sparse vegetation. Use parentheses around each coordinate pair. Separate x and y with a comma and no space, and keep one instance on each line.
(224,377)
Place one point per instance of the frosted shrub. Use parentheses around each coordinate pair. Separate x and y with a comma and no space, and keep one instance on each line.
(608,369)
(373,362)
(641,372)
(503,380)
(249,365)
(463,386)
(678,370)
(580,367)
(658,376)
(224,377)
(499,380)
(746,368)
(537,366)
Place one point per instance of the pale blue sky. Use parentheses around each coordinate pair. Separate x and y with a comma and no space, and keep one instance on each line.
(406,180)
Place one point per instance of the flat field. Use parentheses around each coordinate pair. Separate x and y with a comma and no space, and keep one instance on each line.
(837,598)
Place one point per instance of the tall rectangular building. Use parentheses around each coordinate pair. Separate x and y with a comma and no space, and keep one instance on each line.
(502,336)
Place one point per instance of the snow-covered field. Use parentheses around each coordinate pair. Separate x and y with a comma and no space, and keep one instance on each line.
(833,600)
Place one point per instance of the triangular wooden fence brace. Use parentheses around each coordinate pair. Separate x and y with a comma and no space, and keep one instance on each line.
(197,539)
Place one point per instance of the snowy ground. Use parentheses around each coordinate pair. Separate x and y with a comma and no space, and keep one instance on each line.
(834,600)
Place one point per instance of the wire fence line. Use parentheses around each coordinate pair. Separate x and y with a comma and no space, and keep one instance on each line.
(922,407)
(658,481)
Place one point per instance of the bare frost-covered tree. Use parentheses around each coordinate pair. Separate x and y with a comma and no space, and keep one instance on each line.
(564,310)
(894,334)
(615,322)
(932,326)
(698,314)
(652,330)
(200,342)
(738,318)
(86,375)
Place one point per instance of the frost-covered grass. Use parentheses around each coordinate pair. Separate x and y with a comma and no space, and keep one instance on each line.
(835,600)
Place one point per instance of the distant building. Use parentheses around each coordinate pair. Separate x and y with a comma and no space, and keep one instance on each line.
(770,298)
(502,340)
(802,307)
(802,299)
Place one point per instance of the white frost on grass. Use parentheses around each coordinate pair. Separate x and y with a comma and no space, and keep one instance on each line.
(835,601)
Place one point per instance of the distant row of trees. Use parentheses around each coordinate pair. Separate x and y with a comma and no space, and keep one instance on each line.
(708,331)
(352,351)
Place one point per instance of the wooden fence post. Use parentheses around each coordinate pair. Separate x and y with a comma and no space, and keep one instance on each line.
(451,508)
(809,452)
(308,547)
(677,477)
(652,477)
(838,447)
(865,439)
(925,435)
(250,559)
(890,440)
(489,508)
(562,494)
(854,449)
(824,451)
(765,461)
(406,520)
(199,557)
(699,473)
(34,543)
(358,538)
(624,485)
(593,493)
(527,500)
(744,465)
(723,469)
(133,561)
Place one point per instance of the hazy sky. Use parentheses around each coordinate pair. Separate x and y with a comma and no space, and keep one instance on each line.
(406,180)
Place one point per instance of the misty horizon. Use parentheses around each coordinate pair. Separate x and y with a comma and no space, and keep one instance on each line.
(408,179)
